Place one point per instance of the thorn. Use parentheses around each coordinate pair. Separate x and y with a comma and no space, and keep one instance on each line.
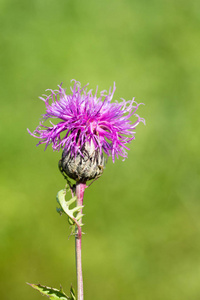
(72,200)
(79,217)
(77,208)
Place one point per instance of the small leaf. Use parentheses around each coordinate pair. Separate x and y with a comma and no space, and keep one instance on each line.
(72,293)
(51,293)
(74,214)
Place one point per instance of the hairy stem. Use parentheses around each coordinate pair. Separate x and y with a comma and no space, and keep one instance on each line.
(80,187)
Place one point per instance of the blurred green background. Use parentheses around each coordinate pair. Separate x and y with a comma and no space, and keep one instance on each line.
(142,217)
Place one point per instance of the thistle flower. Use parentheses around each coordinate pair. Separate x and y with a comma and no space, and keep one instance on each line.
(87,124)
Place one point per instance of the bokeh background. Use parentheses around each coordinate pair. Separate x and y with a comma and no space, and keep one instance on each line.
(142,217)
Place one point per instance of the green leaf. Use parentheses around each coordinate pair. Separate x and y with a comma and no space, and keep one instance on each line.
(72,293)
(52,293)
(74,213)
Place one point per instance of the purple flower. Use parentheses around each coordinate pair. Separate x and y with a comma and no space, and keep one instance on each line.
(82,117)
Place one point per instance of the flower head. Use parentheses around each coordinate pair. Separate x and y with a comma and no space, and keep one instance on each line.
(83,118)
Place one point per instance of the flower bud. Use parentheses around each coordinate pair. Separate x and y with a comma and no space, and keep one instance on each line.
(86,165)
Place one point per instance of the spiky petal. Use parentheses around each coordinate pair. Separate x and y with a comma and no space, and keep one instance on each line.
(82,117)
